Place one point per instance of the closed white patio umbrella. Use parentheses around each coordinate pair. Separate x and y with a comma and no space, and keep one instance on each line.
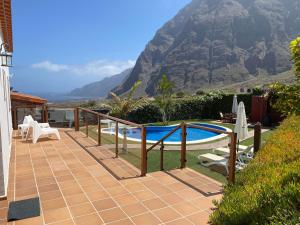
(234,105)
(241,126)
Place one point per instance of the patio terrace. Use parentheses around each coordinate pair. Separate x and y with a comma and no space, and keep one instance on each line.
(75,188)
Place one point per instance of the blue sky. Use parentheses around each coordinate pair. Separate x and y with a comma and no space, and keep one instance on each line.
(63,44)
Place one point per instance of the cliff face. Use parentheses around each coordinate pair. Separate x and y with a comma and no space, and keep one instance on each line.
(218,42)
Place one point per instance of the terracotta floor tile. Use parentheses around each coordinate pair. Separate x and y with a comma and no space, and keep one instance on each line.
(122,222)
(185,208)
(112,215)
(92,219)
(56,215)
(76,199)
(154,203)
(66,222)
(200,218)
(48,188)
(104,204)
(167,214)
(71,191)
(146,219)
(50,195)
(126,199)
(179,222)
(97,195)
(144,195)
(53,204)
(134,209)
(172,198)
(81,210)
(30,221)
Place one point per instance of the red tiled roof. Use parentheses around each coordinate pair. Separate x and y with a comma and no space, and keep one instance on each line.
(15,96)
(6,23)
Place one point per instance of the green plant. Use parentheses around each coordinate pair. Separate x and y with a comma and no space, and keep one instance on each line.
(268,190)
(164,98)
(286,98)
(122,106)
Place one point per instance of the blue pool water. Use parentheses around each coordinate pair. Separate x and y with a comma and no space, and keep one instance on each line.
(155,133)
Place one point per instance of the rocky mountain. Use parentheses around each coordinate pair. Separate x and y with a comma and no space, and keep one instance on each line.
(101,88)
(212,43)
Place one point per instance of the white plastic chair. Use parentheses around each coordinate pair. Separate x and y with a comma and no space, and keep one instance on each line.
(38,131)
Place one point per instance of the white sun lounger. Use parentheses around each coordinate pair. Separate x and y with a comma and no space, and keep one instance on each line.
(38,131)
(24,127)
(210,159)
(226,150)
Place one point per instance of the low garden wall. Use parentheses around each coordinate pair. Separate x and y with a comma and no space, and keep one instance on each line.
(268,190)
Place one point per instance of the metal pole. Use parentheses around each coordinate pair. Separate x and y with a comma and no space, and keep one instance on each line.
(143,152)
(117,139)
(232,158)
(99,130)
(162,156)
(257,137)
(183,145)
(86,125)
(76,119)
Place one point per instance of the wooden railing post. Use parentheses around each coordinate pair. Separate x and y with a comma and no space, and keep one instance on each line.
(99,130)
(232,158)
(257,137)
(117,139)
(162,156)
(143,152)
(86,124)
(76,119)
(14,118)
(183,146)
(45,114)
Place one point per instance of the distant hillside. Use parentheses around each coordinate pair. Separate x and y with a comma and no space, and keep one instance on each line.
(101,88)
(215,43)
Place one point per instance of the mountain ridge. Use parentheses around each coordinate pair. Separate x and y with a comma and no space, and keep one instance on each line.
(218,42)
(101,88)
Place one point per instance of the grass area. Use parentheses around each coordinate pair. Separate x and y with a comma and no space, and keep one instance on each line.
(171,158)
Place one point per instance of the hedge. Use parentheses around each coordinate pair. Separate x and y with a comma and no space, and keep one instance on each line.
(192,107)
(268,190)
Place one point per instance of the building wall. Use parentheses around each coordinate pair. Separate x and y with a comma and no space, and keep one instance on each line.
(5,127)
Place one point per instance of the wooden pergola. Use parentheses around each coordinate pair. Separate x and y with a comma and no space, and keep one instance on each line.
(20,100)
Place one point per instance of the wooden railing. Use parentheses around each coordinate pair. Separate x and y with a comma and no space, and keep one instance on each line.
(117,122)
(144,150)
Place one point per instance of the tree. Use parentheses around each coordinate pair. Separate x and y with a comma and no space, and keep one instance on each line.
(287,97)
(164,98)
(122,106)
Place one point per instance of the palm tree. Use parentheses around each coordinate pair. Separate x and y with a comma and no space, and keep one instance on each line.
(122,106)
(164,99)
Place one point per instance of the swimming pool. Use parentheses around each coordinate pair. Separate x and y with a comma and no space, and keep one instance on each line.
(155,133)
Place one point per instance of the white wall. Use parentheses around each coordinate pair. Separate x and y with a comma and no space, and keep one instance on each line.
(5,128)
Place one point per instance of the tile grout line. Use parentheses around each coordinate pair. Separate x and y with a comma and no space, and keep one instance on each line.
(103,186)
(149,211)
(78,185)
(35,180)
(57,182)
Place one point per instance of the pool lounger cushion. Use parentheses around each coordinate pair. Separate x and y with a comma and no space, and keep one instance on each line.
(23,209)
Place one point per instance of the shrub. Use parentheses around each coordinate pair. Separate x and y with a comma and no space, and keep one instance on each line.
(205,106)
(268,190)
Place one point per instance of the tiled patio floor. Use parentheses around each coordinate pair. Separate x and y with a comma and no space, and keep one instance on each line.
(75,189)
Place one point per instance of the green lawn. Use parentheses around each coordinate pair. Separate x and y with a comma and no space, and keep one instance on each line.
(171,158)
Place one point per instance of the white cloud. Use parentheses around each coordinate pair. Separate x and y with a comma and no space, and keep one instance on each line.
(97,67)
(47,65)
